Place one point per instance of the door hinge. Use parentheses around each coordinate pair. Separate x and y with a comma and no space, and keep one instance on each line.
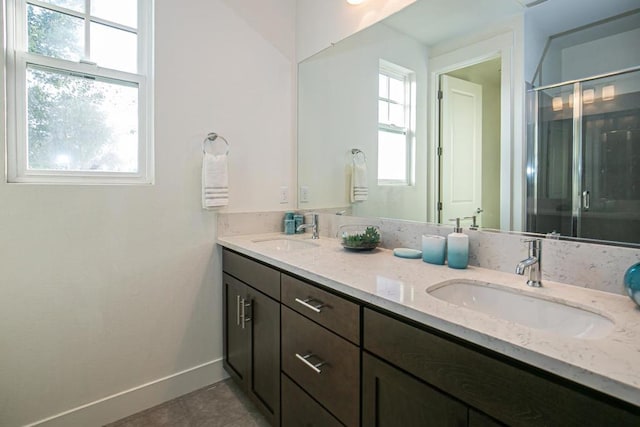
(439,206)
(439,94)
(439,151)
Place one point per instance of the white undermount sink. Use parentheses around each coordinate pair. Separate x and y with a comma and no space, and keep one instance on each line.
(284,244)
(534,312)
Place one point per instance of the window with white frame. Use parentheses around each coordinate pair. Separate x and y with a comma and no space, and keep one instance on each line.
(395,105)
(79,95)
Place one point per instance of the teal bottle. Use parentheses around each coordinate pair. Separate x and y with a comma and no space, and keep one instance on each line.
(632,282)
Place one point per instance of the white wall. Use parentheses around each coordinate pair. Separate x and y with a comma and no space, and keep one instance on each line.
(339,111)
(491,155)
(600,56)
(322,23)
(614,53)
(555,17)
(535,41)
(106,288)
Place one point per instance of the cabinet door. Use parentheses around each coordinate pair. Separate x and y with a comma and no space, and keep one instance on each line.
(299,409)
(503,390)
(262,316)
(392,398)
(477,419)
(236,337)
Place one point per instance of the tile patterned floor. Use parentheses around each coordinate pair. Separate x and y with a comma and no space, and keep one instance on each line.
(219,405)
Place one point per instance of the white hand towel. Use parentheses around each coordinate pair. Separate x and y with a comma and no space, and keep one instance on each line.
(215,181)
(359,187)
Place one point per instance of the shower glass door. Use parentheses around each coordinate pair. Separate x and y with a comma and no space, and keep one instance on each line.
(611,157)
(585,165)
(550,210)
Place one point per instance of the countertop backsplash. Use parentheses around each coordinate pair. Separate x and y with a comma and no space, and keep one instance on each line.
(588,265)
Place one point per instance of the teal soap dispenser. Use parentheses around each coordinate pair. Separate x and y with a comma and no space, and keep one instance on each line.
(457,247)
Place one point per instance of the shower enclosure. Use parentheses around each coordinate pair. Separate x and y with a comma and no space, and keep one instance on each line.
(583,167)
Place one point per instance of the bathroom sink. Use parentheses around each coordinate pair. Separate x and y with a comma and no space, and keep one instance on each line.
(534,312)
(283,244)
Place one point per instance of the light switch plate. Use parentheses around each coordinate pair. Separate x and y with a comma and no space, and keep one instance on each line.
(284,194)
(304,194)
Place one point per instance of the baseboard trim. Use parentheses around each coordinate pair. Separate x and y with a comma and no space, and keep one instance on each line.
(136,399)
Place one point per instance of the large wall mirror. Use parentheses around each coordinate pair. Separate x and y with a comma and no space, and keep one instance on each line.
(401,121)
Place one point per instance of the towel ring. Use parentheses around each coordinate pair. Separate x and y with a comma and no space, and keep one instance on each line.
(211,137)
(359,155)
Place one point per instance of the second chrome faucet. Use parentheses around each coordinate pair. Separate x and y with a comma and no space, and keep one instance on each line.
(313,225)
(533,263)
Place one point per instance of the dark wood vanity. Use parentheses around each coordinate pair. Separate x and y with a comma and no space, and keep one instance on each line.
(252,330)
(308,356)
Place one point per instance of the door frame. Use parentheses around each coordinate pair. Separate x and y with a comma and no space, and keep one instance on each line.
(512,158)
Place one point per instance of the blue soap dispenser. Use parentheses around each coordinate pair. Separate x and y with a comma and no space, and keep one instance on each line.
(457,247)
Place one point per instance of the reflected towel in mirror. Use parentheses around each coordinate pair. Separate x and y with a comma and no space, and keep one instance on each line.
(359,187)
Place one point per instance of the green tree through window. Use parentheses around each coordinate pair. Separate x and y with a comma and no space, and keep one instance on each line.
(66,127)
(79,91)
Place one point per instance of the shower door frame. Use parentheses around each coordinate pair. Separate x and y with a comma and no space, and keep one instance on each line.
(579,198)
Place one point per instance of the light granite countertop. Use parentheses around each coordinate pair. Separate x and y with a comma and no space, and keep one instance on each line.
(610,364)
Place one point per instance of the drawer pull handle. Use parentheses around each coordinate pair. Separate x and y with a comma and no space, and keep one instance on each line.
(305,302)
(238,310)
(305,360)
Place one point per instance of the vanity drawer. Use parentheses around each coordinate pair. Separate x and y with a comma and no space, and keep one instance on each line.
(325,308)
(258,276)
(336,382)
(299,409)
(511,392)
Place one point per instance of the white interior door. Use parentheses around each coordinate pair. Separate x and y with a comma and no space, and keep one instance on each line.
(461,149)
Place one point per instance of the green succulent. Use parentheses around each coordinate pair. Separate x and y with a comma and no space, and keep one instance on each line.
(370,238)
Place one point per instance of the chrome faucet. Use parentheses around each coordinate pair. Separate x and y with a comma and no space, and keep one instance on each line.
(474,224)
(533,263)
(313,225)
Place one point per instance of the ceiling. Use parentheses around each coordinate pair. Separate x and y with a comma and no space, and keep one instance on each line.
(627,22)
(556,16)
(434,21)
(487,72)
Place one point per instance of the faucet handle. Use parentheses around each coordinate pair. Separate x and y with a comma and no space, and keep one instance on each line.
(314,216)
(535,246)
(474,225)
(532,240)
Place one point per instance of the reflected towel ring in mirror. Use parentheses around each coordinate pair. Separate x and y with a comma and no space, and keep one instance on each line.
(211,138)
(358,155)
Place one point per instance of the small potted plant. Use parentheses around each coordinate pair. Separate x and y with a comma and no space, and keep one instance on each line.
(360,237)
